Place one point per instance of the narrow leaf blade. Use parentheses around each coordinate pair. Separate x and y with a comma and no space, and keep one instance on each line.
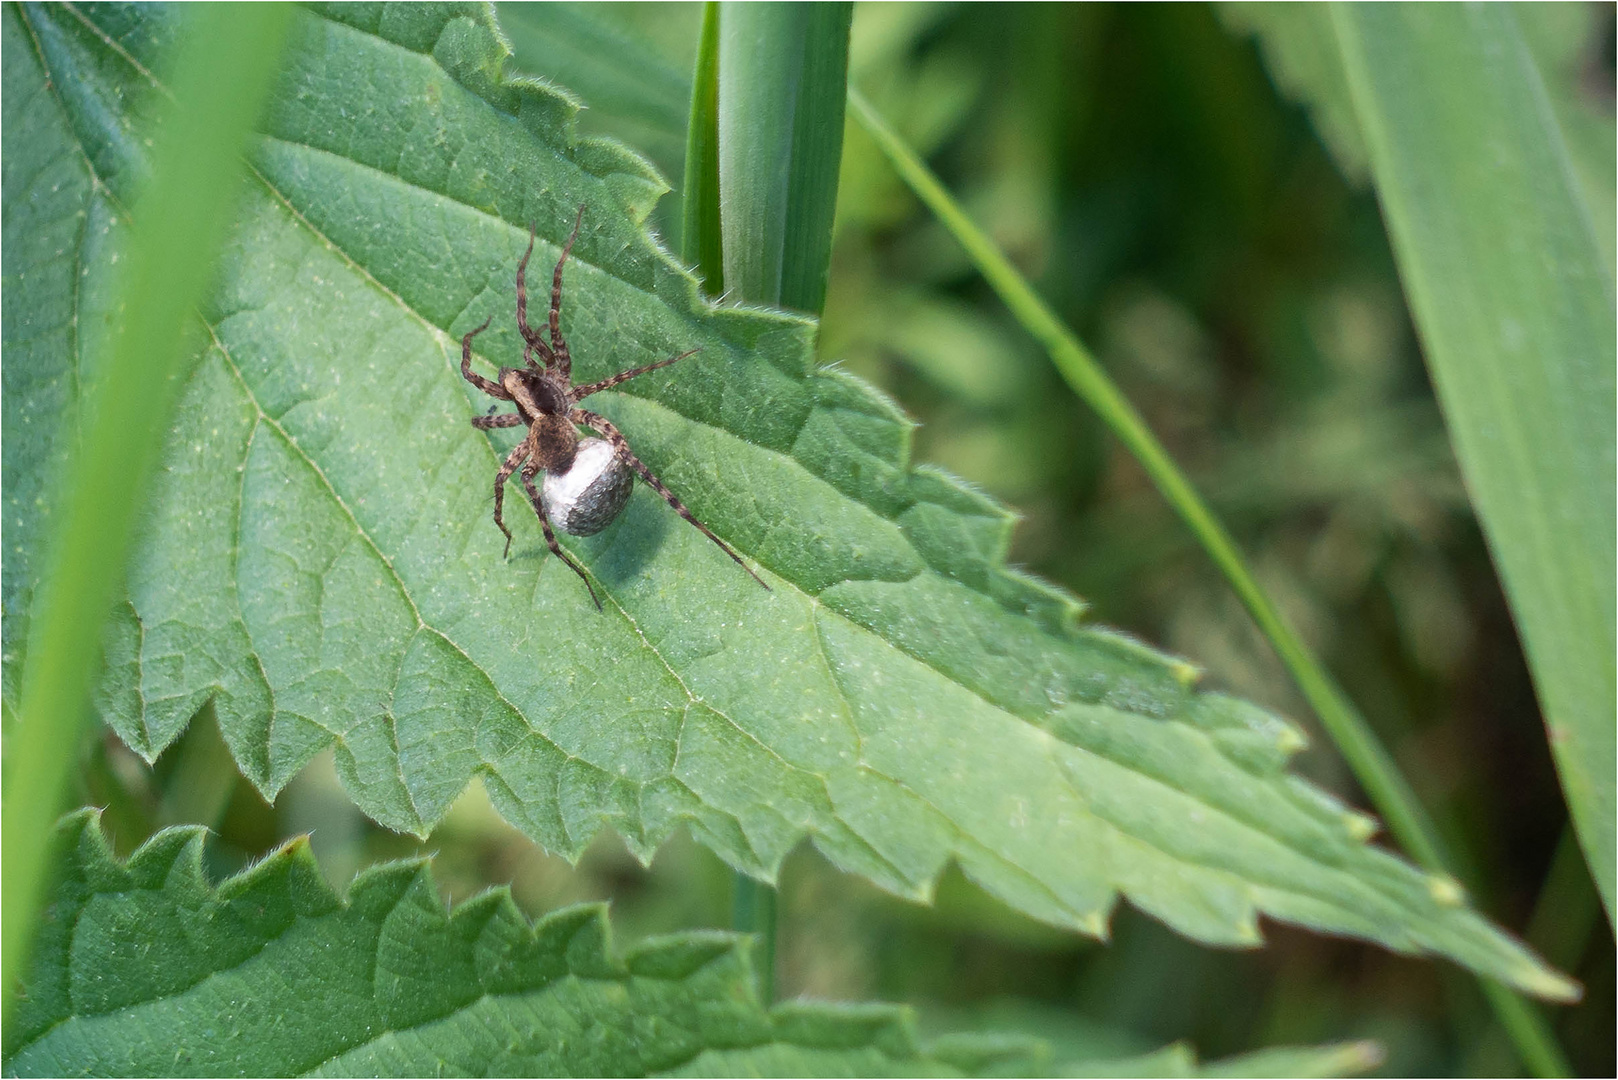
(783,80)
(1516,313)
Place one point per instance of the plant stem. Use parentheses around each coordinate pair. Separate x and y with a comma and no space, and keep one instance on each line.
(204,777)
(753,912)
(1387,788)
(762,154)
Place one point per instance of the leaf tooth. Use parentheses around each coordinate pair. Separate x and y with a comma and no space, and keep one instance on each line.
(1445,890)
(1360,826)
(675,957)
(172,854)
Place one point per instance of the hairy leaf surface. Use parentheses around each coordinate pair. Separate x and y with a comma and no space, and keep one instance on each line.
(147,970)
(321,564)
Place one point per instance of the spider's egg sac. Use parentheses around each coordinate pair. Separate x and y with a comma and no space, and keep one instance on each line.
(585,499)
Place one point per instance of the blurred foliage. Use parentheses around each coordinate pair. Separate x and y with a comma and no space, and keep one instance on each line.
(1185,218)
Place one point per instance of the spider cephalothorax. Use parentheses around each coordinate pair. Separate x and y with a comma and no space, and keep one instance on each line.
(587,481)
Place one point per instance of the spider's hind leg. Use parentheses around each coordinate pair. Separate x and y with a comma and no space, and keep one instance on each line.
(605,428)
(507,467)
(550,536)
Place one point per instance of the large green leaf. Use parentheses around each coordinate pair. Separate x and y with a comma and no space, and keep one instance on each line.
(145,969)
(320,563)
(1515,306)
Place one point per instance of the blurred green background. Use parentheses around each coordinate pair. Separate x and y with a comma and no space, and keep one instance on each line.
(1186,219)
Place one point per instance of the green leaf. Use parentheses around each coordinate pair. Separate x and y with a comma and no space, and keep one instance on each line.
(636,91)
(320,563)
(627,65)
(1514,303)
(783,78)
(146,969)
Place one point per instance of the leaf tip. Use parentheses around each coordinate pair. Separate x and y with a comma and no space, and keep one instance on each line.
(1551,985)
(1289,741)
(1094,923)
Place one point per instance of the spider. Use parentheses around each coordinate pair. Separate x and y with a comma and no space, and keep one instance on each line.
(587,482)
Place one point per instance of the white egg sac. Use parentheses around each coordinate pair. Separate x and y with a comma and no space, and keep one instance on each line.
(584,499)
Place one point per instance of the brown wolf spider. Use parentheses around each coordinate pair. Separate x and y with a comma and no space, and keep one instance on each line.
(586,481)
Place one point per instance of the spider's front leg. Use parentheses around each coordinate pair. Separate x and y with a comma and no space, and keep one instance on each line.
(493,389)
(624,376)
(607,430)
(563,360)
(550,537)
(532,337)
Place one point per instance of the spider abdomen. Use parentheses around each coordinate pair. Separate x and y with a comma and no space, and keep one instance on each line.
(586,497)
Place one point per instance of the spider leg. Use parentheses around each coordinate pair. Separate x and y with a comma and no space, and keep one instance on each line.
(605,428)
(564,362)
(624,376)
(493,389)
(485,423)
(532,337)
(507,467)
(550,537)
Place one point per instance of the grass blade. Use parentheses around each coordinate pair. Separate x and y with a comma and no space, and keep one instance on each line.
(783,74)
(762,157)
(701,243)
(1515,308)
(222,77)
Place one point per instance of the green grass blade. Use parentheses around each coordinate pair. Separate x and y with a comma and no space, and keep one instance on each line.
(783,74)
(701,242)
(221,79)
(1371,763)
(1515,309)
(762,159)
